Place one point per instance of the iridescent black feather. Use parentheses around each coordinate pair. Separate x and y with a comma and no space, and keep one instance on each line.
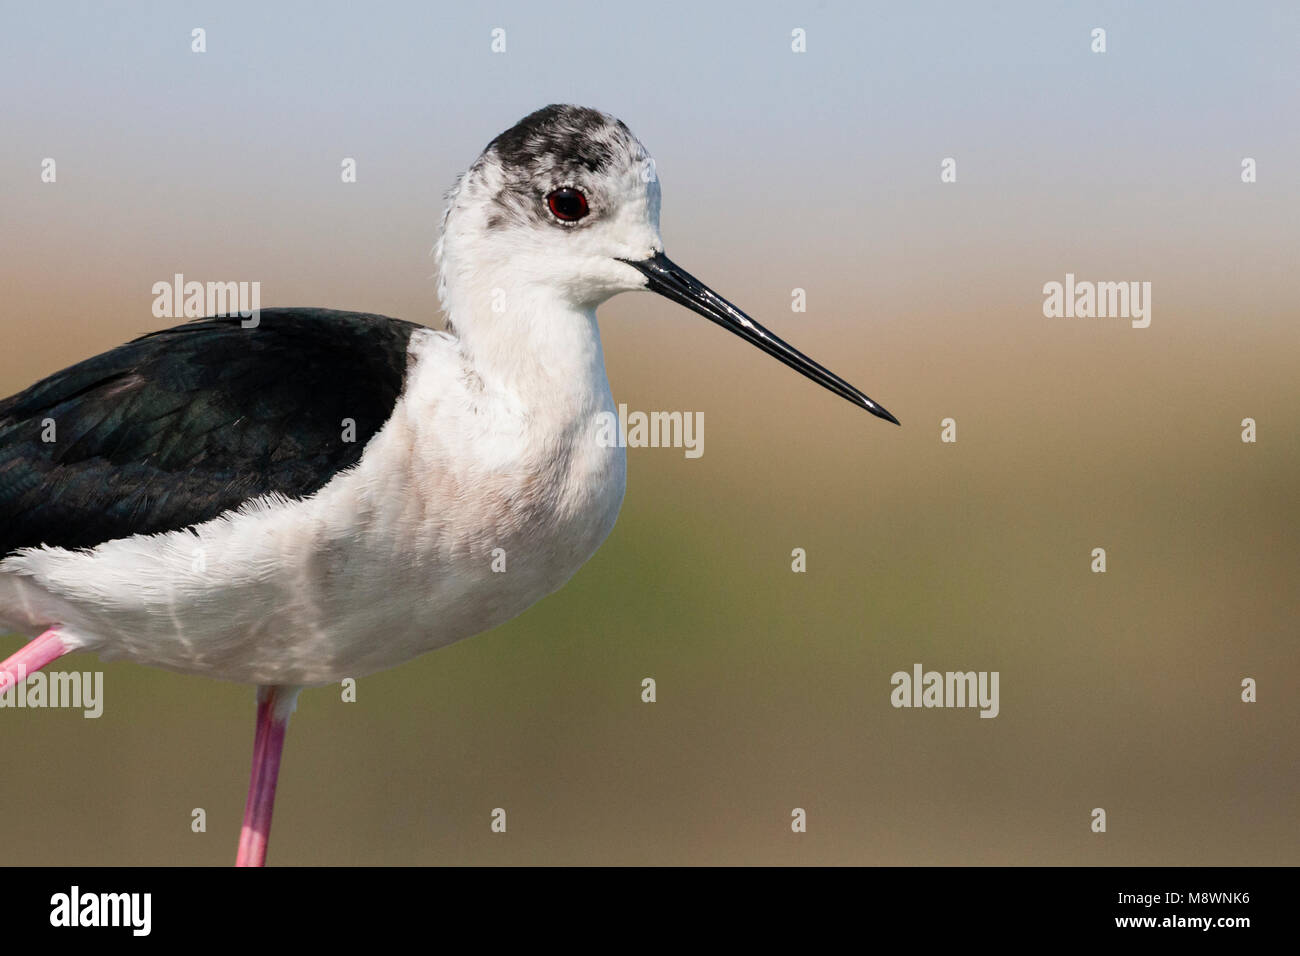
(184,424)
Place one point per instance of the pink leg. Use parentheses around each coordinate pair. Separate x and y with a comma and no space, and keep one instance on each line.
(274,705)
(34,655)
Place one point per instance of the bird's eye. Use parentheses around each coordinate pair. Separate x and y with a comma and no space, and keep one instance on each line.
(567,204)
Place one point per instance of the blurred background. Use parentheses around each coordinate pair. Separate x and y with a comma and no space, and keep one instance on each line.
(817,171)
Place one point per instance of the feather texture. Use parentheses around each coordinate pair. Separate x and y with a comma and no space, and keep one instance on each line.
(181,425)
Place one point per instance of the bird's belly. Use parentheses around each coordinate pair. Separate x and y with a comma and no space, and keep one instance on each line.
(365,575)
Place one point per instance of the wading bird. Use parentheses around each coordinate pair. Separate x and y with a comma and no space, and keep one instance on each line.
(202,509)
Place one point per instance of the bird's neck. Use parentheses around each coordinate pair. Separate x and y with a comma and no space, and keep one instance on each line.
(530,347)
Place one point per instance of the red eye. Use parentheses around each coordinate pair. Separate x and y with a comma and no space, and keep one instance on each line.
(567,205)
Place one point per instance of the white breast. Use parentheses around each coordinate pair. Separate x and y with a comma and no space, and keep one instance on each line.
(467,507)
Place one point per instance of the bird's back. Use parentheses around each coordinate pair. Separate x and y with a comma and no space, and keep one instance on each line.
(185,424)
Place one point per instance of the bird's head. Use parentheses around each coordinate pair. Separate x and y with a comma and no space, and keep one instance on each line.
(564,196)
(564,206)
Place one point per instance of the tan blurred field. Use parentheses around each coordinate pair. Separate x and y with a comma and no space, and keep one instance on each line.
(1118,690)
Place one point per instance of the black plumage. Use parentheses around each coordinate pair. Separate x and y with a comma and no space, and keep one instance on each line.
(186,423)
(554,147)
(559,135)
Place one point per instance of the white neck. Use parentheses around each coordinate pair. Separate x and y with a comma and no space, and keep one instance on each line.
(530,347)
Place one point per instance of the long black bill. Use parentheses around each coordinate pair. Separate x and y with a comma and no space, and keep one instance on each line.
(679,285)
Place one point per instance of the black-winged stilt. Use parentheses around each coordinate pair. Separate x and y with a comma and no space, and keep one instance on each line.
(320,495)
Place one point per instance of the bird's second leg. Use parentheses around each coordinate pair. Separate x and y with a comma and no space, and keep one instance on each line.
(34,655)
(274,705)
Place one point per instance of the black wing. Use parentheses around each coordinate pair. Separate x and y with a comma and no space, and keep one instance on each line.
(181,425)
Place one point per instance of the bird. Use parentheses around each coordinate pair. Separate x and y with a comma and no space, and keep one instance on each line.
(319,495)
